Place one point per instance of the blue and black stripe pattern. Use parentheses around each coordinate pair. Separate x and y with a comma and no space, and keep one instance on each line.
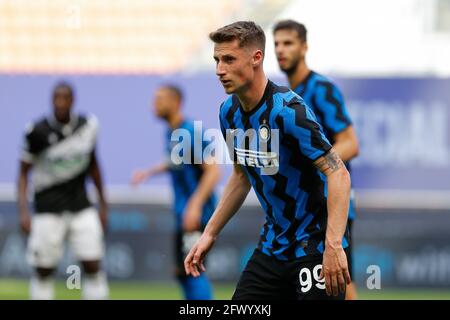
(327,102)
(294,198)
(185,178)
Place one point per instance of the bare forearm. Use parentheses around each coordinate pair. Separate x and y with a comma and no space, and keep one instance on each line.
(22,188)
(346,150)
(207,183)
(338,180)
(338,205)
(158,169)
(346,144)
(233,196)
(22,200)
(98,181)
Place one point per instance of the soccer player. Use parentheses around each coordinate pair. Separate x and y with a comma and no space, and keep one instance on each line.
(59,149)
(193,184)
(300,254)
(324,98)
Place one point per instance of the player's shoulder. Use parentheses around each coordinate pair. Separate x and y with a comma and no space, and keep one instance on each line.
(87,121)
(189,128)
(322,81)
(89,118)
(187,124)
(284,99)
(227,104)
(193,127)
(37,127)
(283,94)
(228,109)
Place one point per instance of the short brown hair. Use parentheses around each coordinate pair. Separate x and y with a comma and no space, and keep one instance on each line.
(174,89)
(247,33)
(291,25)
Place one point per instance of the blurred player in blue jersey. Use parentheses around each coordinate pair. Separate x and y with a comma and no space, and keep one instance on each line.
(322,96)
(193,184)
(280,150)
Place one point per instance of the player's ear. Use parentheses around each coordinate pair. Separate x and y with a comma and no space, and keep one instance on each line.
(258,57)
(304,47)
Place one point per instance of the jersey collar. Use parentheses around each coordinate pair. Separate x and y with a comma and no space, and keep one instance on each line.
(65,128)
(264,98)
(300,88)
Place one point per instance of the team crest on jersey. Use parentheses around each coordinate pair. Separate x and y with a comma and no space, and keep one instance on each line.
(264,132)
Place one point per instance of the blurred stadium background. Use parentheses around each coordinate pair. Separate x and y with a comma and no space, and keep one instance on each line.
(390,58)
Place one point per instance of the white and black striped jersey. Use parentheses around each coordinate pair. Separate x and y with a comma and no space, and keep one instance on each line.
(61,155)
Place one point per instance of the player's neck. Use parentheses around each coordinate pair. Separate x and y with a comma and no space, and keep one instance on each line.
(175,121)
(59,123)
(300,74)
(252,95)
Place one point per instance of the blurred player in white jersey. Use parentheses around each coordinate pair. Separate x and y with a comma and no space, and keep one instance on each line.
(59,149)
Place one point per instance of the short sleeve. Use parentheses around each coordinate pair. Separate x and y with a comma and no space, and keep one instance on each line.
(95,125)
(330,103)
(297,121)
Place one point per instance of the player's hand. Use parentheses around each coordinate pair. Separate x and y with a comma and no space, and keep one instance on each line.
(25,222)
(193,264)
(335,270)
(139,176)
(192,215)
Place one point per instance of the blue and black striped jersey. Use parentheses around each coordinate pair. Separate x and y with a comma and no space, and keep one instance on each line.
(327,102)
(186,176)
(294,195)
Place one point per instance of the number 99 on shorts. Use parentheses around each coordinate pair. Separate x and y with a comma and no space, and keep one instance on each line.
(311,277)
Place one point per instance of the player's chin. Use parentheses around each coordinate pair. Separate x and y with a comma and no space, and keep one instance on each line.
(285,68)
(229,89)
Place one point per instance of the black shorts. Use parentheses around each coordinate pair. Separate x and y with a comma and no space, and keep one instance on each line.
(349,250)
(267,278)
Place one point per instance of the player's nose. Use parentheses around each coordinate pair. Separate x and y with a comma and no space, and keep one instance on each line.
(220,70)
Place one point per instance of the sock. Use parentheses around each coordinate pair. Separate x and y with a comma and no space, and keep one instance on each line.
(196,288)
(42,288)
(95,286)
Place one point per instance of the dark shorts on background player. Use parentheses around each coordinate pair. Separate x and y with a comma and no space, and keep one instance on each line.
(267,278)
(349,250)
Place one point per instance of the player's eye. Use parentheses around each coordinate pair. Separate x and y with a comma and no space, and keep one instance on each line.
(228,59)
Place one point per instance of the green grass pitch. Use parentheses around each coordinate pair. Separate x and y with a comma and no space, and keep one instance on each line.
(18,290)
